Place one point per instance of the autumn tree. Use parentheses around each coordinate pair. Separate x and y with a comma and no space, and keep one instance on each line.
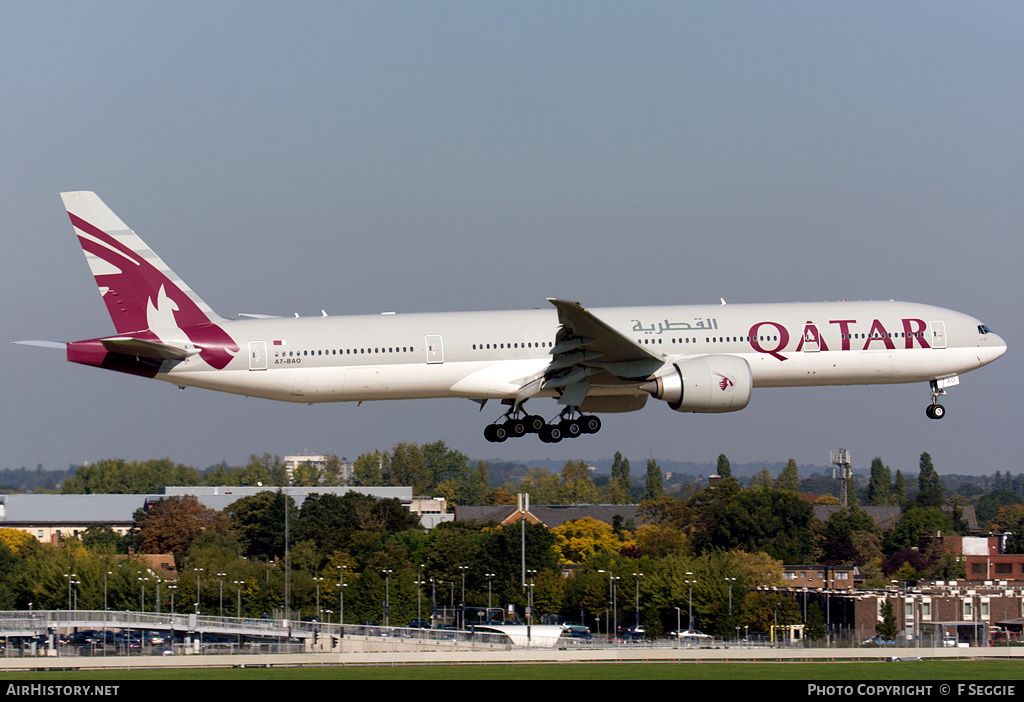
(579,540)
(173,523)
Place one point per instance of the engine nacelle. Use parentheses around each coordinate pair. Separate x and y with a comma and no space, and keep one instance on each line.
(704,384)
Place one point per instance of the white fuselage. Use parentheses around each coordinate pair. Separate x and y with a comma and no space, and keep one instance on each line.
(488,355)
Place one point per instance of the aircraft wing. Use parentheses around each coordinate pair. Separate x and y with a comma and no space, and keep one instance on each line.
(586,345)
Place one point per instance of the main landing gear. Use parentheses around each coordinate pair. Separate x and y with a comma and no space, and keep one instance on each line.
(935,410)
(570,424)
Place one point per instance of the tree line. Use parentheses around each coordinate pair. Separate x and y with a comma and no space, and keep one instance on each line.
(264,554)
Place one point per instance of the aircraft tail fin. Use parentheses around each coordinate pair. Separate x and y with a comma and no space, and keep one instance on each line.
(140,291)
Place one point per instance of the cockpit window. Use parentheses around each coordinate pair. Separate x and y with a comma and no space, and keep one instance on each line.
(983,329)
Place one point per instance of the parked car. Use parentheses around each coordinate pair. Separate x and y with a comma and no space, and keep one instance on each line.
(419,624)
(577,631)
(635,633)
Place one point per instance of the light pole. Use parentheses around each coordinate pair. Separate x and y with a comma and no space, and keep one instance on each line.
(105,574)
(689,626)
(387,596)
(462,604)
(730,581)
(341,594)
(198,572)
(419,594)
(221,576)
(679,621)
(318,581)
(71,578)
(637,604)
(490,581)
(238,585)
(172,588)
(607,625)
(142,596)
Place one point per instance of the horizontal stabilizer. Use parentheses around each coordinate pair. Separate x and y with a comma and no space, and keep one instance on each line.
(142,348)
(44,344)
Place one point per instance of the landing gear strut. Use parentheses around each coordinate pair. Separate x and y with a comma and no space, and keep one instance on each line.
(935,410)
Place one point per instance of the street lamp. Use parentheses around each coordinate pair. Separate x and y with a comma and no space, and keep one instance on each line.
(462,605)
(689,626)
(318,581)
(238,585)
(387,596)
(637,576)
(341,594)
(71,579)
(198,572)
(105,574)
(730,581)
(221,576)
(490,581)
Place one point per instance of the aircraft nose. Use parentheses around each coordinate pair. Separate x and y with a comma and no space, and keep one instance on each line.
(995,346)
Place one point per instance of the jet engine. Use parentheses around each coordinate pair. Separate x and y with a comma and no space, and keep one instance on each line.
(703,384)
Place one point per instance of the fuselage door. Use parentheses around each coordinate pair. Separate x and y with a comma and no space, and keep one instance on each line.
(435,349)
(257,355)
(938,334)
(812,341)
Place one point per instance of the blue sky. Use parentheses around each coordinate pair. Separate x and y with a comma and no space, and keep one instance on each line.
(408,156)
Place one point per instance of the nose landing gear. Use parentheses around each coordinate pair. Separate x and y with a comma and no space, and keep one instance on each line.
(935,410)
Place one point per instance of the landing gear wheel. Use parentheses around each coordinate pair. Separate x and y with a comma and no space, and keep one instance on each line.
(571,428)
(515,427)
(935,411)
(534,423)
(495,433)
(550,434)
(590,423)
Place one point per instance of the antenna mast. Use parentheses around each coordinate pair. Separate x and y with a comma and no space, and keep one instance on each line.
(842,472)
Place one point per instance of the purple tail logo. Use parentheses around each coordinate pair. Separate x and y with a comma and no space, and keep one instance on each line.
(145,303)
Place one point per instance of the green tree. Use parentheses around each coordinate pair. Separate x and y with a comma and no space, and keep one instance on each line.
(653,487)
(543,487)
(619,487)
(259,522)
(724,468)
(409,466)
(577,485)
(815,630)
(879,484)
(929,492)
(899,489)
(789,478)
(368,469)
(887,628)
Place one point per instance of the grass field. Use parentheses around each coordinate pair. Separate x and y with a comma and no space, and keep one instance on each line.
(954,671)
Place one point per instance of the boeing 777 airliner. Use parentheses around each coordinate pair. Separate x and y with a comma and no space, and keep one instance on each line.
(695,358)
